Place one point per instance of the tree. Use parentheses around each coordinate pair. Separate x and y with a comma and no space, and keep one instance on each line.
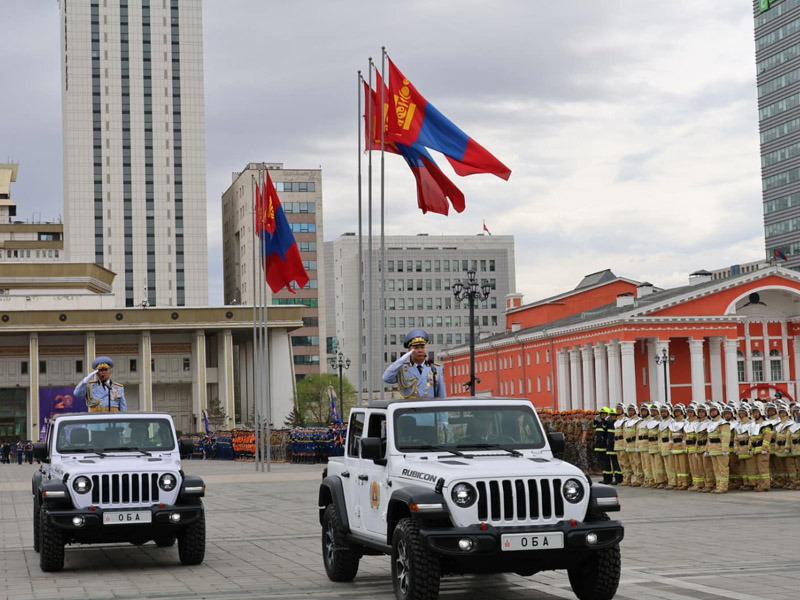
(313,401)
(293,419)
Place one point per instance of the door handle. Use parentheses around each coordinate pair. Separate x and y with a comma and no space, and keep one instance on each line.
(345,473)
(363,477)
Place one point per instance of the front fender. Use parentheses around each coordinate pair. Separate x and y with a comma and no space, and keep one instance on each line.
(55,494)
(603,498)
(418,502)
(36,482)
(331,491)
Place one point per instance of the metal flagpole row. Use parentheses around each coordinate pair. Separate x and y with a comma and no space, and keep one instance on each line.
(370,289)
(383,245)
(254,354)
(264,366)
(360,345)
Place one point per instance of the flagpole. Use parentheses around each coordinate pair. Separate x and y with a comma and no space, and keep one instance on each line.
(254,353)
(266,438)
(383,245)
(370,327)
(264,354)
(359,361)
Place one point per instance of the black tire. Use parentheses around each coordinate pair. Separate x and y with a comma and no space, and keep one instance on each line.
(415,570)
(166,541)
(51,545)
(36,527)
(339,558)
(192,542)
(598,577)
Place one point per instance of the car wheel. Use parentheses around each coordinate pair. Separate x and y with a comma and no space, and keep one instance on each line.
(339,558)
(36,527)
(51,545)
(415,570)
(597,578)
(192,542)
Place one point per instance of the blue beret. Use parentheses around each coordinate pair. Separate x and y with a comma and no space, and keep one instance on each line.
(102,361)
(414,337)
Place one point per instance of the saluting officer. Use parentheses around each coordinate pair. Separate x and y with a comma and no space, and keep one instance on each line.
(415,377)
(100,392)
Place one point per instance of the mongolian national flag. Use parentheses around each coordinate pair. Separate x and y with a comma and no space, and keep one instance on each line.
(279,251)
(205,422)
(412,119)
(778,254)
(434,189)
(486,229)
(337,419)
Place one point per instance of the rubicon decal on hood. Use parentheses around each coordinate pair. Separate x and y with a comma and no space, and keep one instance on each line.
(418,475)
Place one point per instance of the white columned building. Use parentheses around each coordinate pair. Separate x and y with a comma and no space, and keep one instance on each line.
(587,357)
(662,372)
(627,350)
(576,394)
(562,358)
(697,370)
(730,346)
(600,375)
(715,367)
(614,374)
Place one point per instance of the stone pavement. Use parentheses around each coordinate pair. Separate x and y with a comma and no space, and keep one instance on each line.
(264,542)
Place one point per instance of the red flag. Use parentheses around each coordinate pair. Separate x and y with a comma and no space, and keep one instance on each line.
(258,210)
(486,229)
(415,120)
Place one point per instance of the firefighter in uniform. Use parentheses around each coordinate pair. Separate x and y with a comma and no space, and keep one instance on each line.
(101,394)
(761,435)
(773,419)
(630,445)
(794,436)
(656,460)
(643,445)
(786,476)
(619,445)
(415,377)
(736,479)
(599,426)
(703,457)
(665,445)
(611,452)
(744,448)
(695,467)
(719,437)
(681,463)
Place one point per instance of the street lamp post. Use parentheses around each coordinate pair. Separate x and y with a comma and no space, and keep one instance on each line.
(471,291)
(665,360)
(343,363)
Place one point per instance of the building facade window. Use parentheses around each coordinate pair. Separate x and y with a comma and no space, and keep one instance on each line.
(740,366)
(758,365)
(775,366)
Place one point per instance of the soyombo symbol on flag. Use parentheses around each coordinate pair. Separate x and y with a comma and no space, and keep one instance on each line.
(412,119)
(279,252)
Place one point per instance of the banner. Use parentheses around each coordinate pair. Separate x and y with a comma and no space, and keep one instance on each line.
(55,400)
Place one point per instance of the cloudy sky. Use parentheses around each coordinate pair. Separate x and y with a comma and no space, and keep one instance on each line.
(630,127)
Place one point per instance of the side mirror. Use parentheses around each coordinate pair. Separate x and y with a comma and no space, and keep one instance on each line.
(371,448)
(186,447)
(39,450)
(557,442)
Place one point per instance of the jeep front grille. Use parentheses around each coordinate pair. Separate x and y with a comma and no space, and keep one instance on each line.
(125,488)
(520,500)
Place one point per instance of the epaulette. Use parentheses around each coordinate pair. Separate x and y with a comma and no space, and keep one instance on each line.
(437,364)
(117,384)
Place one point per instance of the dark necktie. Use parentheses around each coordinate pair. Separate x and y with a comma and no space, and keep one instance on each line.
(419,368)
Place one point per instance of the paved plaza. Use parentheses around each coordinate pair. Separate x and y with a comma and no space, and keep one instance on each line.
(263,542)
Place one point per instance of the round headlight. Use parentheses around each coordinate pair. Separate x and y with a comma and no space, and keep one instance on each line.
(82,485)
(167,482)
(464,495)
(572,491)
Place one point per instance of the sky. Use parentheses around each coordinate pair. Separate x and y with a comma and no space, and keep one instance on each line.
(631,128)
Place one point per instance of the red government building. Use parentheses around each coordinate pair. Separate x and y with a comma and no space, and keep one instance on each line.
(596,345)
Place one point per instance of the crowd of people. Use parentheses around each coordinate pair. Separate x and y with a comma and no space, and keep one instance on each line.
(18,453)
(702,447)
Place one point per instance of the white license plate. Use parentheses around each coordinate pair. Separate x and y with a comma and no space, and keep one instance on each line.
(127,517)
(531,541)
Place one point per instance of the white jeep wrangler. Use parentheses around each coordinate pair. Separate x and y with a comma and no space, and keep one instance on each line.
(111,477)
(464,485)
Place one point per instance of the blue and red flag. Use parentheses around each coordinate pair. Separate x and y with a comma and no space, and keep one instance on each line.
(205,422)
(434,189)
(337,419)
(279,252)
(778,254)
(415,120)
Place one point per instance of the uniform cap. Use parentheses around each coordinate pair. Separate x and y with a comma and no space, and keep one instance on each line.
(102,362)
(679,407)
(605,410)
(415,337)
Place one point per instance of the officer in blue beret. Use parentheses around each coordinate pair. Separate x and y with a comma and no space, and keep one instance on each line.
(100,392)
(415,377)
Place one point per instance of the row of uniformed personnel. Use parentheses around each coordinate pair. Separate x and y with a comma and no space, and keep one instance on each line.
(701,447)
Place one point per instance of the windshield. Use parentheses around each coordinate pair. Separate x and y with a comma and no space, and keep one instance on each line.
(515,427)
(92,435)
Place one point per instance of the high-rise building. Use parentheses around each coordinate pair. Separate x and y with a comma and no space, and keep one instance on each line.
(777,40)
(300,193)
(134,146)
(420,272)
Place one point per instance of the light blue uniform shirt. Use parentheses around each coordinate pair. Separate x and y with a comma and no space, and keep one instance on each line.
(413,382)
(97,395)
